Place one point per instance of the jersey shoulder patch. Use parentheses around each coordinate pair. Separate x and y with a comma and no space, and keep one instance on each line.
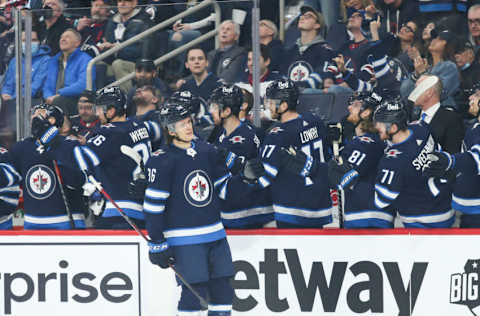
(392,153)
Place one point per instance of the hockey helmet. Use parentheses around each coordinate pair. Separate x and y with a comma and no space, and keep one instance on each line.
(57,113)
(186,99)
(228,96)
(112,97)
(172,113)
(392,112)
(283,90)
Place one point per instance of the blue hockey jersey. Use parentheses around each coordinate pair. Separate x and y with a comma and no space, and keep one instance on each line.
(9,189)
(152,121)
(255,209)
(466,195)
(364,153)
(44,206)
(102,156)
(298,200)
(182,200)
(420,201)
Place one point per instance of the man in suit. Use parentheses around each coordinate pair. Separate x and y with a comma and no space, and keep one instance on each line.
(446,124)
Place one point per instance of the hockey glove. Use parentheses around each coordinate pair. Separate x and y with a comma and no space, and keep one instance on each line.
(297,162)
(233,162)
(160,254)
(341,176)
(440,162)
(137,187)
(253,170)
(96,203)
(46,133)
(334,133)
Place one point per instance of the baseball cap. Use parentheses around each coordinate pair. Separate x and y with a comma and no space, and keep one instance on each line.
(445,35)
(304,9)
(145,63)
(464,45)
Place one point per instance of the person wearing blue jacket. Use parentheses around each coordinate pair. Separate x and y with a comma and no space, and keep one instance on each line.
(67,73)
(40,58)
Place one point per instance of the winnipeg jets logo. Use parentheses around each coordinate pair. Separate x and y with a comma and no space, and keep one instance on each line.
(365,139)
(237,139)
(109,125)
(159,152)
(275,130)
(40,182)
(198,188)
(392,153)
(3,150)
(299,71)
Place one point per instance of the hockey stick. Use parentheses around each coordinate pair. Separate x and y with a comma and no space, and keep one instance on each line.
(64,197)
(341,196)
(99,187)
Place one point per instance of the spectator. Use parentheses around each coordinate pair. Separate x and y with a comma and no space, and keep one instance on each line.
(145,100)
(426,38)
(442,50)
(67,72)
(449,13)
(474,25)
(306,62)
(469,69)
(201,83)
(363,64)
(268,33)
(40,59)
(330,10)
(227,62)
(407,39)
(93,28)
(86,121)
(53,24)
(266,74)
(397,13)
(146,75)
(128,22)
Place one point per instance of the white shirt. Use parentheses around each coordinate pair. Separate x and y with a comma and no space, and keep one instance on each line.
(430,112)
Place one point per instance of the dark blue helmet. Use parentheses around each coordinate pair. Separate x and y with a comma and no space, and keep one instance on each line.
(284,90)
(57,113)
(171,113)
(392,112)
(112,97)
(186,99)
(228,96)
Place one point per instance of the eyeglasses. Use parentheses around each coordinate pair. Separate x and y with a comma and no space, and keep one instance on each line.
(356,16)
(409,29)
(474,21)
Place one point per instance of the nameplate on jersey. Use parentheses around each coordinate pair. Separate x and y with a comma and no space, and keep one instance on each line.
(40,182)
(139,134)
(308,135)
(198,189)
(299,71)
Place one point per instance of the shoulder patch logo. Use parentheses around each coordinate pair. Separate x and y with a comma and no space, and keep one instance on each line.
(392,153)
(299,71)
(365,139)
(237,139)
(198,189)
(158,152)
(276,130)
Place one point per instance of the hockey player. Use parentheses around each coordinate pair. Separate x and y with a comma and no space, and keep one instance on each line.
(9,189)
(360,158)
(146,102)
(182,213)
(45,206)
(240,143)
(466,167)
(301,199)
(103,158)
(399,185)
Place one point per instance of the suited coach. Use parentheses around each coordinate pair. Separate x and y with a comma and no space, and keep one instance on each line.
(445,123)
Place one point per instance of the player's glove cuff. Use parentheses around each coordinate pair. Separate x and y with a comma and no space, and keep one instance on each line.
(160,254)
